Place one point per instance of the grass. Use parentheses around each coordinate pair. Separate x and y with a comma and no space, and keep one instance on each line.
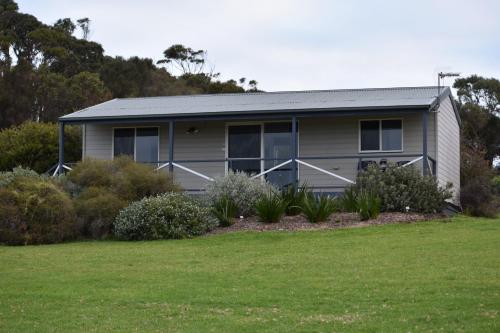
(424,277)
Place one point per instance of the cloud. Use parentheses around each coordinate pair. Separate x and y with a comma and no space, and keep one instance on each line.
(300,44)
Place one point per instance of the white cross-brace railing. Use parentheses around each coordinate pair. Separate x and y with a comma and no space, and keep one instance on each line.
(59,167)
(162,166)
(326,172)
(185,169)
(271,169)
(413,161)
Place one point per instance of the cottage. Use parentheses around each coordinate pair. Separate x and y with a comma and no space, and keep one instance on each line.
(322,138)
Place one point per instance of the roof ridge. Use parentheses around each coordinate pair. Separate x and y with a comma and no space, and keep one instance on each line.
(286,92)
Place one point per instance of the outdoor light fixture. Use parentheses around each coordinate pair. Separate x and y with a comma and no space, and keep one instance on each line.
(192,130)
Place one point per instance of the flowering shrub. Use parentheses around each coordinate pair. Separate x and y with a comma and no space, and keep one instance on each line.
(403,189)
(243,190)
(166,216)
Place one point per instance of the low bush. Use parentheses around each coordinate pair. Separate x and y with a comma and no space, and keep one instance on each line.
(225,211)
(166,216)
(35,146)
(477,193)
(403,189)
(97,208)
(129,180)
(478,199)
(271,207)
(318,208)
(294,198)
(34,210)
(242,189)
(101,188)
(368,205)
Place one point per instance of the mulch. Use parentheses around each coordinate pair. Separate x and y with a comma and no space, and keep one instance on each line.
(336,221)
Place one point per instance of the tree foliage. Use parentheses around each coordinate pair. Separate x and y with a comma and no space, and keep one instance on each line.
(46,71)
(479,101)
(35,146)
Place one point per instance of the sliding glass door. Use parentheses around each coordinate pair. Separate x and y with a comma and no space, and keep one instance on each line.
(278,149)
(244,148)
(256,148)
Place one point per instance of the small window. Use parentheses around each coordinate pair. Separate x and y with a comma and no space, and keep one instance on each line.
(381,135)
(124,141)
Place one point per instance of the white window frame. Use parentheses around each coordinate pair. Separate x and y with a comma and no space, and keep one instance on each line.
(380,150)
(262,150)
(135,140)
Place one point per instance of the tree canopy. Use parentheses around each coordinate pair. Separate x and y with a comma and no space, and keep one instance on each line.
(479,102)
(47,71)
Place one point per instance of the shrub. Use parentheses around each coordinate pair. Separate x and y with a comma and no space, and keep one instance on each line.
(318,208)
(495,182)
(170,215)
(7,178)
(35,146)
(294,198)
(34,210)
(477,194)
(101,188)
(368,205)
(477,198)
(225,211)
(402,187)
(243,190)
(129,180)
(270,207)
(96,208)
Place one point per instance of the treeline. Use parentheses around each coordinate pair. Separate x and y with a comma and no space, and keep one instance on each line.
(46,71)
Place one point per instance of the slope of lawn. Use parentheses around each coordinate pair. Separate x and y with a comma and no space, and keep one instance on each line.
(424,277)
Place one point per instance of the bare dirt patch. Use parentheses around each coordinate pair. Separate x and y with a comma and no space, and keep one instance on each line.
(338,220)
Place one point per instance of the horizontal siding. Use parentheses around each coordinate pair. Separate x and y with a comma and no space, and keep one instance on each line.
(98,141)
(207,144)
(448,148)
(340,136)
(317,137)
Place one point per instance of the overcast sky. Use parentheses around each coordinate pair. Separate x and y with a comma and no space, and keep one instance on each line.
(297,45)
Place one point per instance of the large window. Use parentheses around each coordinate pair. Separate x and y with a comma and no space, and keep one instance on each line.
(124,142)
(381,135)
(139,143)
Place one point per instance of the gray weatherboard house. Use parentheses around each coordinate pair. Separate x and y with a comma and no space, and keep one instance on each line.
(322,138)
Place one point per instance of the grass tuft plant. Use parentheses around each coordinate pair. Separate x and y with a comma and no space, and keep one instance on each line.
(294,198)
(318,208)
(225,210)
(271,207)
(368,204)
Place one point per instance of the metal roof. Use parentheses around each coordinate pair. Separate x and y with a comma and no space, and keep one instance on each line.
(261,102)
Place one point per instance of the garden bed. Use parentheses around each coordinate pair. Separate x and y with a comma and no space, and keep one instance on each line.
(336,220)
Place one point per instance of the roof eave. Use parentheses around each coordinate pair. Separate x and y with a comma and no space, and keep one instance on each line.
(244,114)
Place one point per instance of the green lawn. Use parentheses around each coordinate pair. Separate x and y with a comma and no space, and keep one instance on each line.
(425,277)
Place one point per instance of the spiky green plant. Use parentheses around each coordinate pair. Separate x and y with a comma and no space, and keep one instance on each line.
(348,200)
(318,208)
(225,210)
(271,207)
(294,198)
(368,204)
